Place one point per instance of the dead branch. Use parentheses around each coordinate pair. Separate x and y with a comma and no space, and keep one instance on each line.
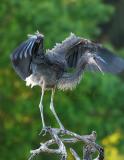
(57,135)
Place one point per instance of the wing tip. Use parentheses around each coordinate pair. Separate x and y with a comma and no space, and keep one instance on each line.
(37,35)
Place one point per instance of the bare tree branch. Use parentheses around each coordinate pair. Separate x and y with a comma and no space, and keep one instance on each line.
(74,154)
(57,135)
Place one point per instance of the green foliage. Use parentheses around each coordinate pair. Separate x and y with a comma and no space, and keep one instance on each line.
(96,104)
(56,19)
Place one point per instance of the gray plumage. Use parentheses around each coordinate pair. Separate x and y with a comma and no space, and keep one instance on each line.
(50,69)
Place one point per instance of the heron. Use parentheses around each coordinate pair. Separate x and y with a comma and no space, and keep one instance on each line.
(61,67)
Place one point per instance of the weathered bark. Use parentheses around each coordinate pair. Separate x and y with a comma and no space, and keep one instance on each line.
(57,135)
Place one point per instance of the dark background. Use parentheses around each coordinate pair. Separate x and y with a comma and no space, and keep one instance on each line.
(98,101)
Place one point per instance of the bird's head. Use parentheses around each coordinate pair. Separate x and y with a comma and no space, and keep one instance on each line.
(90,46)
(90,59)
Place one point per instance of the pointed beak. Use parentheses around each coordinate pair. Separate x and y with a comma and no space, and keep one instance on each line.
(93,61)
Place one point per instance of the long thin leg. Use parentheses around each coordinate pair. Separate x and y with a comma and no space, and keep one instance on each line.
(53,110)
(41,106)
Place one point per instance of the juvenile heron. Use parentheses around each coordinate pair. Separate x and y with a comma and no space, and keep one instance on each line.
(50,69)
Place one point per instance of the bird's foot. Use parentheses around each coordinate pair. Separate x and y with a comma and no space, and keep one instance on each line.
(44,130)
(62,131)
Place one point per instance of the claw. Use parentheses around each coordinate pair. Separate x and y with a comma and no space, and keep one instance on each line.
(44,130)
(62,131)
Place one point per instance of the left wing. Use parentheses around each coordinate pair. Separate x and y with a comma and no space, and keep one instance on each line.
(22,56)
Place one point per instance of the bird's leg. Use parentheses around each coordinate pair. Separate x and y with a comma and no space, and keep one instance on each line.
(41,109)
(53,110)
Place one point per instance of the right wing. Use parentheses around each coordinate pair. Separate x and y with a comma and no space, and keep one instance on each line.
(22,56)
(74,49)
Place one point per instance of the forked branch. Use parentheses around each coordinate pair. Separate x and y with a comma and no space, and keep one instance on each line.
(57,135)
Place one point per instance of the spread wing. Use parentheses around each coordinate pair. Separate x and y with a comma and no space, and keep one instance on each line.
(73,48)
(22,56)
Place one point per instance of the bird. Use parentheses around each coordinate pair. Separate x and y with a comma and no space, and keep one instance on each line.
(61,67)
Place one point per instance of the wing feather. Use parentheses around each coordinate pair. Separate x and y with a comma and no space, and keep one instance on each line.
(22,56)
(73,48)
(113,64)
